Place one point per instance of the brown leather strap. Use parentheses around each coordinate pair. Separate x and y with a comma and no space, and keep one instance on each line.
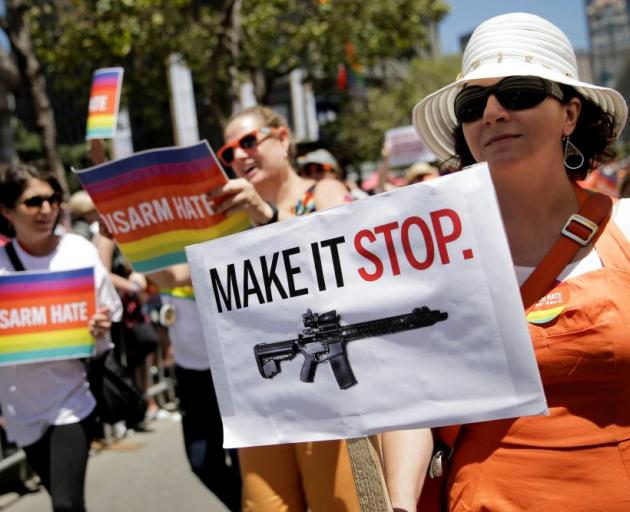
(596,208)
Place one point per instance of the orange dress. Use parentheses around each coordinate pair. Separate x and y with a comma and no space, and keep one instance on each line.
(578,457)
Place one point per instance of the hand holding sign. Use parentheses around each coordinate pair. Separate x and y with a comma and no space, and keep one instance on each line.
(100,323)
(154,203)
(239,195)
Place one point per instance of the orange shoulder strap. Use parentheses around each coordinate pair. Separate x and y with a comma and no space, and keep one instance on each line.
(579,230)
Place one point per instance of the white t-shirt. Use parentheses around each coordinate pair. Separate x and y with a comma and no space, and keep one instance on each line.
(189,348)
(36,395)
(621,217)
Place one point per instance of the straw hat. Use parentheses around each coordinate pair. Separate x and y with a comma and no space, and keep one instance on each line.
(80,203)
(515,44)
(420,169)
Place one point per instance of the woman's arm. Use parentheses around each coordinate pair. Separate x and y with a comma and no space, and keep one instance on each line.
(171,277)
(106,247)
(406,457)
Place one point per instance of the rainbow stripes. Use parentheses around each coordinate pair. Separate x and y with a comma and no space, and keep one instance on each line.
(154,203)
(44,315)
(104,102)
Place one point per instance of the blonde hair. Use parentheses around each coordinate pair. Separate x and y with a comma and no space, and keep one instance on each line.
(271,119)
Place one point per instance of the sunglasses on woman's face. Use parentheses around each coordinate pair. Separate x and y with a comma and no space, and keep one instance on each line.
(53,200)
(513,92)
(248,142)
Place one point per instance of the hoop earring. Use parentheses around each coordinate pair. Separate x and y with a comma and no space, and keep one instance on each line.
(573,157)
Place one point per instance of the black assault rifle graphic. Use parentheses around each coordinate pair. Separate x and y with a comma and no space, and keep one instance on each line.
(324,339)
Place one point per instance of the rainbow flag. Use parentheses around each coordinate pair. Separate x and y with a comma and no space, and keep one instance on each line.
(154,203)
(104,102)
(44,315)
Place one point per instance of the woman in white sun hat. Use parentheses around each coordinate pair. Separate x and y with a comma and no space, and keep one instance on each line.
(519,105)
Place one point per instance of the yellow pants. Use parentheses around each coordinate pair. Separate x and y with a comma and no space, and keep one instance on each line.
(297,477)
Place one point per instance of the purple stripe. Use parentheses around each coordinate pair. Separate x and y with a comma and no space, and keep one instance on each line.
(146,159)
(51,286)
(106,78)
(152,175)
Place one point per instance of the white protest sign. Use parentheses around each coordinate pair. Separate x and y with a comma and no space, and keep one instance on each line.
(406,148)
(428,326)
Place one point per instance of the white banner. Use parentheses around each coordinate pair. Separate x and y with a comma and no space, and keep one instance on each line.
(406,148)
(428,327)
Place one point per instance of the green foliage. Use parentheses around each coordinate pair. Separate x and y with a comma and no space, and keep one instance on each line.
(281,35)
(74,37)
(364,119)
(28,145)
(29,148)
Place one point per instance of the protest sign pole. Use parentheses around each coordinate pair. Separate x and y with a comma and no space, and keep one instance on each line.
(368,476)
(97,151)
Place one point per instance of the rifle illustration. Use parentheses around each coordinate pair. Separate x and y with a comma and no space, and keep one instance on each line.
(324,339)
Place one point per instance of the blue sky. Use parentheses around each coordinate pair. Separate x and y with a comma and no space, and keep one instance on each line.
(465,15)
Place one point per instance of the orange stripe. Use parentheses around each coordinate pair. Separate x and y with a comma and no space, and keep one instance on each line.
(164,227)
(42,328)
(33,296)
(48,301)
(169,225)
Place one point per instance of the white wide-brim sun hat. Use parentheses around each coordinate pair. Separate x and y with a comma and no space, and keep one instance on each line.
(515,44)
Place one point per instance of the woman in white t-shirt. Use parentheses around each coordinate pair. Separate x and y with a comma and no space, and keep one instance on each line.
(47,406)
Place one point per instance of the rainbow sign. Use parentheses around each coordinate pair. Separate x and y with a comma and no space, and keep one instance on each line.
(44,315)
(154,203)
(104,100)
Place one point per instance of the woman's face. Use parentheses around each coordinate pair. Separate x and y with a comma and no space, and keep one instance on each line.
(267,160)
(34,221)
(505,137)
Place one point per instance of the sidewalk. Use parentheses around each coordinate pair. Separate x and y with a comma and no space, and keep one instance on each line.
(145,472)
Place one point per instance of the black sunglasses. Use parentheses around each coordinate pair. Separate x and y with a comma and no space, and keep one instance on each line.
(53,199)
(513,92)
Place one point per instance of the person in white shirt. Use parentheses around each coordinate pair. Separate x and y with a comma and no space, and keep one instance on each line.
(47,406)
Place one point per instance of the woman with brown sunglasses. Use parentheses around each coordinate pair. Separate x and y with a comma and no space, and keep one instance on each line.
(296,477)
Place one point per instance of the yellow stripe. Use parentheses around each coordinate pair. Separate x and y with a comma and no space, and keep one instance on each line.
(545,315)
(175,241)
(182,292)
(100,121)
(45,340)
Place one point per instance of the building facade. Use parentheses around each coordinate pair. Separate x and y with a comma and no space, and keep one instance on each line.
(609,33)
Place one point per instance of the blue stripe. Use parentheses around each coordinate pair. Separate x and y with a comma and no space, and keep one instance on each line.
(100,133)
(43,355)
(153,264)
(107,74)
(46,276)
(145,159)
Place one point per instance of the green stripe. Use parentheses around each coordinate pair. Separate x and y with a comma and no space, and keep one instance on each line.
(43,355)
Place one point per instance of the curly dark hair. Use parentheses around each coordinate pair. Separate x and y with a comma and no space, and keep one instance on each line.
(14,179)
(593,136)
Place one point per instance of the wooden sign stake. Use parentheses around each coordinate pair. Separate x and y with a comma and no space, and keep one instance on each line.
(368,476)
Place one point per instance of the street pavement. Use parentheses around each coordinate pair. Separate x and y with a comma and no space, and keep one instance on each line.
(147,471)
